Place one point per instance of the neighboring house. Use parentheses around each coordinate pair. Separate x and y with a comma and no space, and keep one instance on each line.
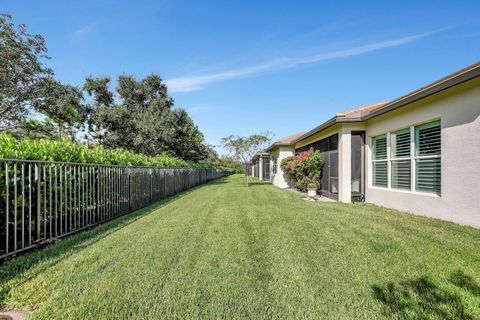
(279,150)
(419,153)
(260,166)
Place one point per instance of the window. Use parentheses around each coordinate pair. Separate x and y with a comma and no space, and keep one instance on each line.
(401,162)
(274,164)
(408,159)
(380,162)
(427,157)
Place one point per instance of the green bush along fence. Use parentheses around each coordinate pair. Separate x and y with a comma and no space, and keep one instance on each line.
(41,201)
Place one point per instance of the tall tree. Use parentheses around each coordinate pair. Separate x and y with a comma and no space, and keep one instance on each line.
(243,149)
(62,104)
(35,129)
(21,71)
(188,140)
(141,118)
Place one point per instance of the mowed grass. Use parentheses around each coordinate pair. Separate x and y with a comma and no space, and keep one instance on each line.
(226,251)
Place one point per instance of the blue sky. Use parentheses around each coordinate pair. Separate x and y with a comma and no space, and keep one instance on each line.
(242,67)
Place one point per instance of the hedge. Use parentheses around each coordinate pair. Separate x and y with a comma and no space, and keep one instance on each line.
(76,152)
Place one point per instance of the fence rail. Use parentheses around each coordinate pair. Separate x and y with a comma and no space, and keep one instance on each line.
(41,201)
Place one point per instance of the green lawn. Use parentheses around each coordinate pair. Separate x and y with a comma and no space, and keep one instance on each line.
(225,251)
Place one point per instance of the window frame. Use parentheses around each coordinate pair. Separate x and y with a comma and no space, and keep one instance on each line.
(413,158)
(394,158)
(273,164)
(383,160)
(417,157)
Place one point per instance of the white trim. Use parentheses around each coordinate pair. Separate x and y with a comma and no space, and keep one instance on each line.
(409,158)
(389,163)
(419,193)
(413,159)
(413,164)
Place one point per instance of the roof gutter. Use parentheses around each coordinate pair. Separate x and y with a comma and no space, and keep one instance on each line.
(467,75)
(278,144)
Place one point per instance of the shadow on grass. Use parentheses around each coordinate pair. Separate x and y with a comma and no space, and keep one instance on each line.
(422,299)
(466,282)
(30,264)
(257,183)
(218,181)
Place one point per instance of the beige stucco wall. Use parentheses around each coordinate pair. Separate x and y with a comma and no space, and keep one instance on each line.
(345,159)
(280,153)
(459,111)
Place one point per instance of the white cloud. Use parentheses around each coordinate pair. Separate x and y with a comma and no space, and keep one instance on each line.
(197,82)
(80,34)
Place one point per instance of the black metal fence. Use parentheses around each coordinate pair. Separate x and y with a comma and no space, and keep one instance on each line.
(41,201)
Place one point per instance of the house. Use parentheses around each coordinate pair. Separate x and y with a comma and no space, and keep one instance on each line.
(281,149)
(419,153)
(260,166)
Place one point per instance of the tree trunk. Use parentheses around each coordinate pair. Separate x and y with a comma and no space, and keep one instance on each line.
(60,129)
(246,176)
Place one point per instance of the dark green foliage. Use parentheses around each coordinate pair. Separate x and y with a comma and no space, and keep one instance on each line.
(28,87)
(21,71)
(139,116)
(68,151)
(229,164)
(62,104)
(142,119)
(35,129)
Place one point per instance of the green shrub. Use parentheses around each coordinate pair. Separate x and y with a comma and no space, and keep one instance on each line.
(312,185)
(230,165)
(68,151)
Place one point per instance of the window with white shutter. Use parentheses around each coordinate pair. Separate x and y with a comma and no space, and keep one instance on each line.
(410,159)
(380,162)
(401,163)
(427,157)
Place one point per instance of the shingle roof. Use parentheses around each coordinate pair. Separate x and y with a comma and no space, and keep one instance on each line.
(286,140)
(361,110)
(290,138)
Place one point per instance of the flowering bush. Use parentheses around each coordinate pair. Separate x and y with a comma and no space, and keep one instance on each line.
(304,170)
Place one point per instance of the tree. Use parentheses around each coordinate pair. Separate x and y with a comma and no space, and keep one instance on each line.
(188,140)
(34,129)
(243,149)
(62,104)
(212,154)
(140,115)
(142,118)
(21,71)
(230,164)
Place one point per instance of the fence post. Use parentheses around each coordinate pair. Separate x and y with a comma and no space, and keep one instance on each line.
(164,183)
(97,194)
(39,204)
(150,171)
(129,189)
